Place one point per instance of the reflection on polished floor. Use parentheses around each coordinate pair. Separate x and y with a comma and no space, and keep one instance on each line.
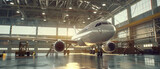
(82,61)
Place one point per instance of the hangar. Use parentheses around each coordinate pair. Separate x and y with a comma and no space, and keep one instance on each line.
(79,34)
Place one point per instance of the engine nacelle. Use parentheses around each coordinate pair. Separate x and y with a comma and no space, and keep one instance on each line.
(59,46)
(109,47)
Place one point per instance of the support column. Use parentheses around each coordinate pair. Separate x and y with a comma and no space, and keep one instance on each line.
(36,32)
(1,2)
(36,42)
(156,24)
(153,4)
(9,48)
(9,42)
(57,31)
(113,20)
(10,32)
(130,29)
(67,33)
(157,31)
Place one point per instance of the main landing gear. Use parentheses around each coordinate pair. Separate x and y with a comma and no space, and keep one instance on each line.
(67,51)
(92,52)
(99,53)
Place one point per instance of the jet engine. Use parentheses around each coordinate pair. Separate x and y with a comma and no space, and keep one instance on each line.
(109,47)
(59,46)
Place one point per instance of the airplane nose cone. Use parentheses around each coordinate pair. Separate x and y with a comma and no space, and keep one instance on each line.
(105,32)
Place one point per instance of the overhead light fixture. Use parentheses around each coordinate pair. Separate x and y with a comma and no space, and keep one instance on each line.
(17,11)
(19,38)
(43,13)
(64,20)
(7,0)
(67,15)
(11,3)
(94,12)
(44,20)
(22,18)
(70,8)
(88,18)
(81,1)
(103,4)
(87,2)
(84,22)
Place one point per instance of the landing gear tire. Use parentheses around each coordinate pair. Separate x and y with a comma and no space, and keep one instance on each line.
(99,53)
(92,51)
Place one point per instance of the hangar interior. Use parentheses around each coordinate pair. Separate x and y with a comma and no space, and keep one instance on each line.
(39,21)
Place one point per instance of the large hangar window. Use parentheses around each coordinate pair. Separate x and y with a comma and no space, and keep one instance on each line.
(71,32)
(158,2)
(46,31)
(120,17)
(4,29)
(62,31)
(144,30)
(109,20)
(24,30)
(140,7)
(123,34)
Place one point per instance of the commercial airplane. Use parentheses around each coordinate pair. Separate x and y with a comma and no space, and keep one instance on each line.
(96,33)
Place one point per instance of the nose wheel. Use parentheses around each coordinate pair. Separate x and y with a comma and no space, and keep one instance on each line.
(99,53)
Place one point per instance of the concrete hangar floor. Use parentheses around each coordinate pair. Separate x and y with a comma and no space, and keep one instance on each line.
(82,61)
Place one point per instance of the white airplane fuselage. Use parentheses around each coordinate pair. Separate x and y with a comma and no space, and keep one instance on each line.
(95,32)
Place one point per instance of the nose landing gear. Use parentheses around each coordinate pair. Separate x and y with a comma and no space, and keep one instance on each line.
(100,51)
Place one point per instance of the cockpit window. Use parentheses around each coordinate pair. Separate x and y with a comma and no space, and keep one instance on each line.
(99,24)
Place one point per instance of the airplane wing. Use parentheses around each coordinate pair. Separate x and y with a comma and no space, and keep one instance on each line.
(22,38)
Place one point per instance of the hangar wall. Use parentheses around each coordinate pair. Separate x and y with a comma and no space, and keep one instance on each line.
(144,31)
